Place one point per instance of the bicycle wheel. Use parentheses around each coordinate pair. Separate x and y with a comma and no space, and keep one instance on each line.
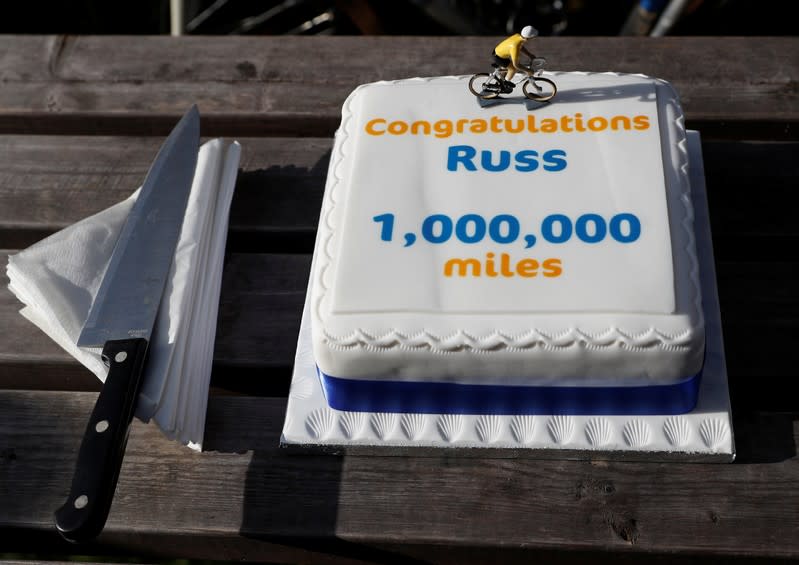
(483,86)
(548,89)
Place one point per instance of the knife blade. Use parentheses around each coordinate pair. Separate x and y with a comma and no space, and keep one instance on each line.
(121,321)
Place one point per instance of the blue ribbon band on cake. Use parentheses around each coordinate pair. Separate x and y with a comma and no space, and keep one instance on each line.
(356,395)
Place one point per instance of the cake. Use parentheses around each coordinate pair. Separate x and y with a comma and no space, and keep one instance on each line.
(512,257)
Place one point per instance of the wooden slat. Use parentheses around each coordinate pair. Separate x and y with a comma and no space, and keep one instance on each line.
(295,86)
(38,560)
(49,182)
(261,305)
(26,58)
(259,319)
(245,498)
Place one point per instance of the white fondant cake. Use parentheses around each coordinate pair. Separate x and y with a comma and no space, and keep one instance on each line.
(514,245)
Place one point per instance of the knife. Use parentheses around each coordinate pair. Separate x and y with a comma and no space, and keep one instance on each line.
(121,321)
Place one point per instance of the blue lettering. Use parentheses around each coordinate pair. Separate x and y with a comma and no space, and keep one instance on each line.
(633,228)
(504,161)
(479,224)
(548,228)
(600,228)
(462,154)
(527,160)
(553,160)
(428,231)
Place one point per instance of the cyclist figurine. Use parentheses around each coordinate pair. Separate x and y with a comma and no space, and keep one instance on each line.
(506,55)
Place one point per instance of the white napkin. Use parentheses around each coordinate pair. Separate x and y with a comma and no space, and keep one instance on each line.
(58,278)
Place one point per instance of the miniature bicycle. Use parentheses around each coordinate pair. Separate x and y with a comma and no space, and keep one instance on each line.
(535,87)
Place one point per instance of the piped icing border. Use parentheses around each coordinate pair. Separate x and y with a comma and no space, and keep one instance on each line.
(497,340)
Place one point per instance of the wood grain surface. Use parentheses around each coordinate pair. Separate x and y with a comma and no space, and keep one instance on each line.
(80,120)
(294,86)
(244,488)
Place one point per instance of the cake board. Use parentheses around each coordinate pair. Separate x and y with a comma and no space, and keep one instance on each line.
(703,435)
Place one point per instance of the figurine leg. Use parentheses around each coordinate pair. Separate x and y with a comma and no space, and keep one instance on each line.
(507,84)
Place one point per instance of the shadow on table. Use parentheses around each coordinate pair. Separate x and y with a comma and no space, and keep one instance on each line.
(765,437)
(295,498)
(290,501)
(276,209)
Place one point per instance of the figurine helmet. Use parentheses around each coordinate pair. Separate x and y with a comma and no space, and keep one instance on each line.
(529,31)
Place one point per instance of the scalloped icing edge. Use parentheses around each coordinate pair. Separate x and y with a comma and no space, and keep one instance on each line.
(496,340)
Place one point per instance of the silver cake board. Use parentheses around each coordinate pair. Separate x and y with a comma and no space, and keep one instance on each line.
(705,434)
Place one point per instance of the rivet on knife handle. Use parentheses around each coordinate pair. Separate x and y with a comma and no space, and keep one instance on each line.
(83,515)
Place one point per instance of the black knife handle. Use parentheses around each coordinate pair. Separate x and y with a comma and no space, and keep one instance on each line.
(83,515)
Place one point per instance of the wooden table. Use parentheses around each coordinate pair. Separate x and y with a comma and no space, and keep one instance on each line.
(80,121)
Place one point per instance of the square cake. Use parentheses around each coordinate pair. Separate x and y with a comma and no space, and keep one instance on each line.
(512,258)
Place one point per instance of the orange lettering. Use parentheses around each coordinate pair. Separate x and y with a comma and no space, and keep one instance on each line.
(370,126)
(552,268)
(527,268)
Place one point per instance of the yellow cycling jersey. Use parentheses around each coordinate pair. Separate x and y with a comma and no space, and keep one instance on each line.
(509,48)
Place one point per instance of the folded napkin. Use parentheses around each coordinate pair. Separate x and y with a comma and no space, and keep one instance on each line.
(58,278)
